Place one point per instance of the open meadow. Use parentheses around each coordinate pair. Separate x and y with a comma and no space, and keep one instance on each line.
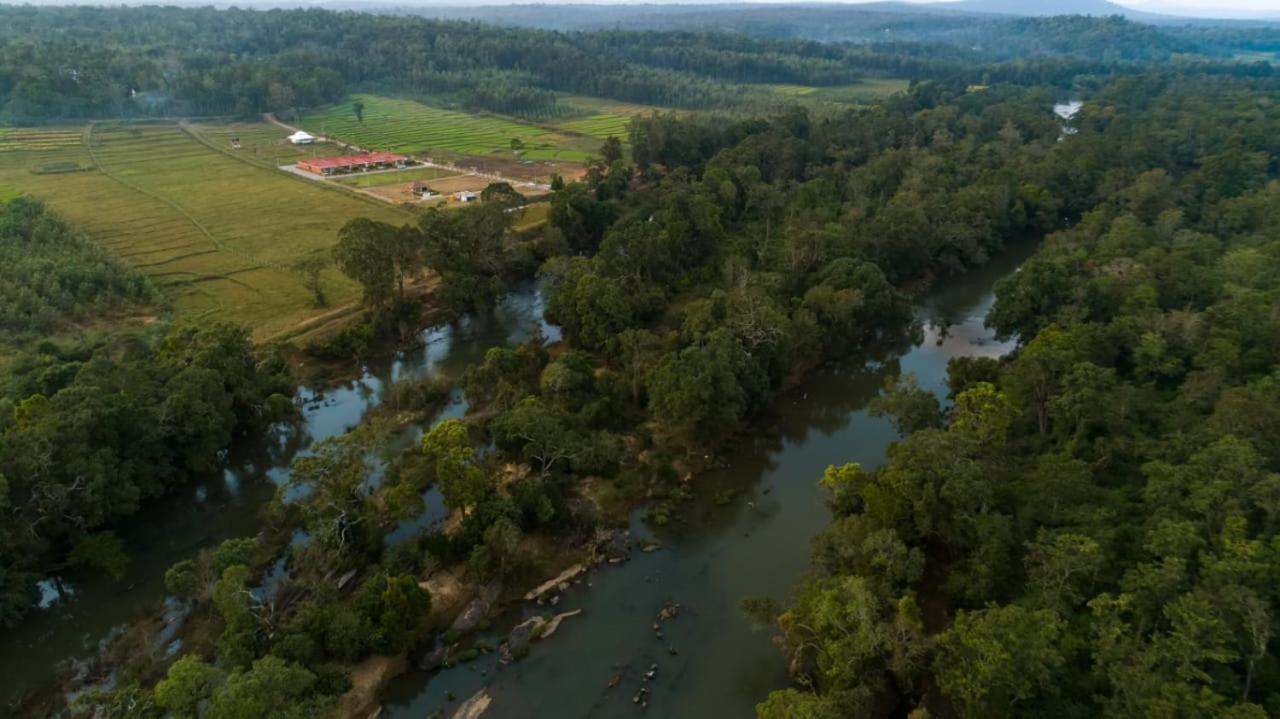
(397,125)
(218,236)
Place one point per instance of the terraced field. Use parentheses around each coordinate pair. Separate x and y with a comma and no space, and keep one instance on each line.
(406,126)
(216,234)
(598,117)
(18,139)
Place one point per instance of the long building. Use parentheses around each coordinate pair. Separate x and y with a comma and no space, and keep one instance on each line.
(353,163)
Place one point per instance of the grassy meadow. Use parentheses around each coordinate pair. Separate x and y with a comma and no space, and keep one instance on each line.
(406,126)
(218,236)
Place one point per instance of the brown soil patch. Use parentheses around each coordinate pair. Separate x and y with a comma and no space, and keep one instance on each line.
(368,678)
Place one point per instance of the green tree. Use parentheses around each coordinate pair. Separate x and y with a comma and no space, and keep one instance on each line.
(366,252)
(189,682)
(909,407)
(695,393)
(447,447)
(358,108)
(993,659)
(272,687)
(309,269)
(611,150)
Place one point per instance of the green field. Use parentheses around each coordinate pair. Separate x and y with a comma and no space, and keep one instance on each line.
(382,179)
(598,117)
(263,142)
(865,91)
(407,126)
(217,235)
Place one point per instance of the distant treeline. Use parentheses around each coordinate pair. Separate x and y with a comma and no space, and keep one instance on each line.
(76,62)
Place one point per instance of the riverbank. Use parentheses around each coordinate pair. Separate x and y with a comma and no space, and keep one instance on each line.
(722,503)
(743,534)
(93,608)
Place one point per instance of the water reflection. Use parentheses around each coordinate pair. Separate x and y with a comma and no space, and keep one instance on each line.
(711,662)
(73,623)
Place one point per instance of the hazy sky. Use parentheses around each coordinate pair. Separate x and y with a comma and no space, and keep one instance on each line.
(1260,6)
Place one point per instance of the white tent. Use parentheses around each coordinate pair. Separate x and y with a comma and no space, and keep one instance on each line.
(302,138)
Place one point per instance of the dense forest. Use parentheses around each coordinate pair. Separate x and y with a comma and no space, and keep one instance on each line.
(1083,527)
(722,261)
(1088,527)
(81,62)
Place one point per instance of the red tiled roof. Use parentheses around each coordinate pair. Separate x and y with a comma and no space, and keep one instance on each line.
(368,158)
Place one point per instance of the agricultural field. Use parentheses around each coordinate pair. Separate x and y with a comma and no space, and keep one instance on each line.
(217,235)
(406,126)
(599,118)
(262,142)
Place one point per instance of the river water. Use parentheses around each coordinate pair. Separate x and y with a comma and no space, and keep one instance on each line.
(91,606)
(756,545)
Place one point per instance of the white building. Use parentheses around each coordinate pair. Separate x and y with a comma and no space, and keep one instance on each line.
(302,138)
(466,196)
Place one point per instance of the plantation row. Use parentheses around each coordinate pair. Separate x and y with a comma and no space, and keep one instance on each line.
(12,139)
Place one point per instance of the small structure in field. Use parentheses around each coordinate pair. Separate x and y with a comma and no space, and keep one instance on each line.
(423,190)
(302,138)
(465,196)
(346,164)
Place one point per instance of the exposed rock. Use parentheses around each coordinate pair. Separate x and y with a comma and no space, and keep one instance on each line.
(550,584)
(476,610)
(432,660)
(614,545)
(554,624)
(650,547)
(671,611)
(614,680)
(517,644)
(475,707)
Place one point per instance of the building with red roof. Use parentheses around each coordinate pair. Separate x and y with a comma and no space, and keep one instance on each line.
(353,163)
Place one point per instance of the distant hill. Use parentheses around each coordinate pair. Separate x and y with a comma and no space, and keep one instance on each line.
(1037,8)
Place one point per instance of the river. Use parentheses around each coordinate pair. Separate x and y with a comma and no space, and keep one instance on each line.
(756,545)
(92,607)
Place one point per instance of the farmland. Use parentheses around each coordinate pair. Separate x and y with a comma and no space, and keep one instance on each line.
(262,142)
(406,126)
(215,234)
(598,117)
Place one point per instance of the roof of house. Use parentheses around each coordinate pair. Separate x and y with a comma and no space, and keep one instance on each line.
(367,158)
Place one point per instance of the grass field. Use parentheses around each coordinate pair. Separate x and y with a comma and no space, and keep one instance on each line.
(380,179)
(263,142)
(865,91)
(216,235)
(598,117)
(407,126)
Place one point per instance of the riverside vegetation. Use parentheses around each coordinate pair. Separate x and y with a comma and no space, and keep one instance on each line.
(1048,544)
